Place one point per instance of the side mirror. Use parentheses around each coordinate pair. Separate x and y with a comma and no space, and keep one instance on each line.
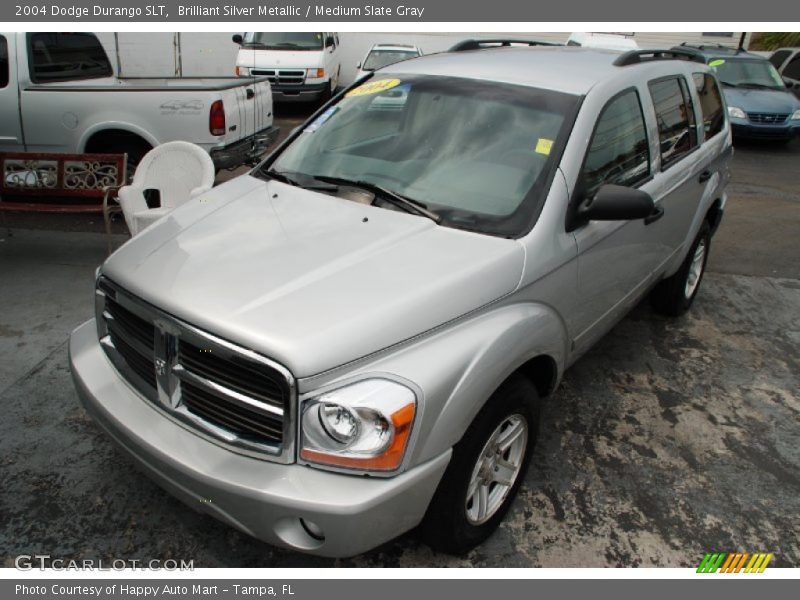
(616,203)
(237,38)
(329,41)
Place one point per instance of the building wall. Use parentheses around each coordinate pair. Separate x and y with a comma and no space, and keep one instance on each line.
(214,54)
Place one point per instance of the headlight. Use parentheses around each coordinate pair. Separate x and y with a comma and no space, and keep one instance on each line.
(242,71)
(365,425)
(318,73)
(736,113)
(796,115)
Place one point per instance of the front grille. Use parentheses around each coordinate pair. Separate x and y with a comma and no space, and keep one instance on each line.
(282,76)
(767,118)
(250,424)
(227,393)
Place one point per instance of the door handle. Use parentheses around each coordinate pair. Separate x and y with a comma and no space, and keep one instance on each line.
(658,212)
(705,176)
(250,93)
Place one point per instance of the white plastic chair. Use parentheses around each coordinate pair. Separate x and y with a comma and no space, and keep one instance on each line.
(180,171)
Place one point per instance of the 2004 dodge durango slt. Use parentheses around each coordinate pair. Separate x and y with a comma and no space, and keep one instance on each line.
(354,339)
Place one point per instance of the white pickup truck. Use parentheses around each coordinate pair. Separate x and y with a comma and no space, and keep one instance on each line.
(58,93)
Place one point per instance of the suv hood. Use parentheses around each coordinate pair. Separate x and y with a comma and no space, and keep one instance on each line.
(310,280)
(768,101)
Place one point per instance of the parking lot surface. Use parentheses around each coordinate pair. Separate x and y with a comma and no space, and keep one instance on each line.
(669,439)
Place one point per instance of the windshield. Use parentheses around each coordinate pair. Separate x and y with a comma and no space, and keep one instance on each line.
(744,73)
(378,59)
(66,56)
(281,40)
(479,154)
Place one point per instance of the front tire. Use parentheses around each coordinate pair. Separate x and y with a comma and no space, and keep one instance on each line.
(486,470)
(674,295)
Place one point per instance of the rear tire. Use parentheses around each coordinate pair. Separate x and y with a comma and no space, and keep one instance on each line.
(483,477)
(674,295)
(134,148)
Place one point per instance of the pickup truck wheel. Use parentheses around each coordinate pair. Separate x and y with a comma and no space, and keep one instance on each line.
(673,296)
(486,470)
(133,148)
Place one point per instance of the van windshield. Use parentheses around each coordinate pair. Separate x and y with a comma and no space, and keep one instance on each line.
(479,154)
(378,59)
(747,73)
(278,40)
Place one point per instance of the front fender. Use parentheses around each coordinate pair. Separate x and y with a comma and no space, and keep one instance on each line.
(458,368)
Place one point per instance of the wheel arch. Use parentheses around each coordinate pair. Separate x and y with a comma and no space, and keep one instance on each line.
(105,133)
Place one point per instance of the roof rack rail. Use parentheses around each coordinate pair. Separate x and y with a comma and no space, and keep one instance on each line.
(708,47)
(634,57)
(475,44)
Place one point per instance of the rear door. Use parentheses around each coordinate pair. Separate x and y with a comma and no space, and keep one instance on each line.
(10,126)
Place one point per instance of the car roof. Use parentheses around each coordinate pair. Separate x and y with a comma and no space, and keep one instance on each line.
(569,69)
(395,47)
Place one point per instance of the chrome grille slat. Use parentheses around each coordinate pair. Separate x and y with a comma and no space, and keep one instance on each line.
(225,393)
(142,366)
(204,405)
(122,332)
(237,377)
(134,325)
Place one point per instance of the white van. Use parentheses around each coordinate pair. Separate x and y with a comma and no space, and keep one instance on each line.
(300,66)
(609,41)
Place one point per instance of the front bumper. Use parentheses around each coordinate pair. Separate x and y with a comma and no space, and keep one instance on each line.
(246,150)
(307,92)
(263,499)
(742,128)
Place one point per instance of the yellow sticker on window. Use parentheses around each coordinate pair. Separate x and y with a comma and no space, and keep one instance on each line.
(716,63)
(374,87)
(543,146)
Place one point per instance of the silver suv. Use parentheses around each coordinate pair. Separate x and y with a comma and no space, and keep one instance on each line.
(355,338)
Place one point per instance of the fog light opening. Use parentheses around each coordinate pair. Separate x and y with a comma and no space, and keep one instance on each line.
(313,530)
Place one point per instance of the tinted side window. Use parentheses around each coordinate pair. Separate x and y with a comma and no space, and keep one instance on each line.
(675,116)
(3,62)
(710,104)
(778,58)
(792,70)
(618,152)
(65,56)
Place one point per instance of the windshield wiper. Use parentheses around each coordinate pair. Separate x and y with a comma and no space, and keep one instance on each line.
(407,204)
(759,86)
(295,180)
(729,84)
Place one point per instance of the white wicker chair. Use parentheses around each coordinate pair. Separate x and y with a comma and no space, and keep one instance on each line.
(178,170)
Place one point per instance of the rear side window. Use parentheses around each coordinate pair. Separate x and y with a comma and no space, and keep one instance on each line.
(65,56)
(618,152)
(675,116)
(3,62)
(778,58)
(792,70)
(710,104)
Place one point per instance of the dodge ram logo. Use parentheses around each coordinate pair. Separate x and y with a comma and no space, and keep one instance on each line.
(161,366)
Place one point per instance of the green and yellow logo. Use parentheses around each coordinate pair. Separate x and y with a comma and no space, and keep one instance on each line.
(734,563)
